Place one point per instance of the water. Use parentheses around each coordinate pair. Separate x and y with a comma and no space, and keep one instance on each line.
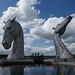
(37,70)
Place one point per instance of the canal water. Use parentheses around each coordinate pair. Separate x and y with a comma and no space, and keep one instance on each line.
(37,70)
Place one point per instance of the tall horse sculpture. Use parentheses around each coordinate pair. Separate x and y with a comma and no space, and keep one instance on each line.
(13,33)
(61,51)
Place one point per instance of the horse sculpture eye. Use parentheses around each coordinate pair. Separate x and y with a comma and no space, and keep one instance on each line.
(9,28)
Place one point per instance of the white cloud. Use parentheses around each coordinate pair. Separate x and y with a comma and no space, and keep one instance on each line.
(25,12)
(47,41)
(1,47)
(69,40)
(73,15)
(46,51)
(28,40)
(34,23)
(71,47)
(27,35)
(27,16)
(45,31)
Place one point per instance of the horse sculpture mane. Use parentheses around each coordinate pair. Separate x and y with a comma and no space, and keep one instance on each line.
(13,33)
(61,51)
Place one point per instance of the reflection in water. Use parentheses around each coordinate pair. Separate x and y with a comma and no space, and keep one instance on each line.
(40,70)
(37,70)
(64,70)
(18,70)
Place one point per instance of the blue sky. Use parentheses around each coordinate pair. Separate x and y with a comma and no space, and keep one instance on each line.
(37,17)
(56,7)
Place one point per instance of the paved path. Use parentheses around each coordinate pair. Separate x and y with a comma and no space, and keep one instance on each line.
(64,63)
(16,62)
(52,62)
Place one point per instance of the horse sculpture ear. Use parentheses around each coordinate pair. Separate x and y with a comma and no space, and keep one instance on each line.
(13,20)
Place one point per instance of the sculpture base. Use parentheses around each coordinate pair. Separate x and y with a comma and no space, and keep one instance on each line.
(16,62)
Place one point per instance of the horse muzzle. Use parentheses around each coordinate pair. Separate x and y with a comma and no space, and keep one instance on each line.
(6,45)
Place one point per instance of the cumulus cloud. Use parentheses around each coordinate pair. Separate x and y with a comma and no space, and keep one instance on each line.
(47,41)
(27,35)
(73,15)
(46,51)
(1,47)
(28,40)
(69,40)
(71,47)
(25,13)
(45,31)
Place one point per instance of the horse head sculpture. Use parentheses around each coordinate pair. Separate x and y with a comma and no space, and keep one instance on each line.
(60,28)
(61,51)
(13,32)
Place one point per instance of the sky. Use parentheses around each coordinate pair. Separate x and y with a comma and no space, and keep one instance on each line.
(37,17)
